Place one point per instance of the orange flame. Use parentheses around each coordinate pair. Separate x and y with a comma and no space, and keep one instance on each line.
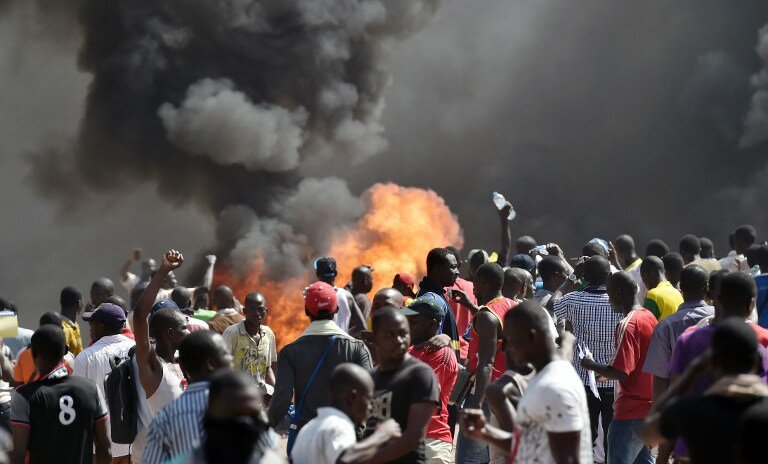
(394,235)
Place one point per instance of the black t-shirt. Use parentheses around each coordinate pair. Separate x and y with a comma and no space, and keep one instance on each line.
(707,424)
(396,390)
(60,412)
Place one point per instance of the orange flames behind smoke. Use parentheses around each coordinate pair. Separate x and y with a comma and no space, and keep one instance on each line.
(394,235)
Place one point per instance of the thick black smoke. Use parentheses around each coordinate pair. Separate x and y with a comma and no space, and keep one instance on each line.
(224,103)
(595,118)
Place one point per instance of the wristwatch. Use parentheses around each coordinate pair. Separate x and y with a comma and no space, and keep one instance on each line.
(573,278)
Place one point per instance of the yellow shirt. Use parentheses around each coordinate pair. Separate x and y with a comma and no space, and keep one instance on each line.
(72,332)
(663,300)
(251,357)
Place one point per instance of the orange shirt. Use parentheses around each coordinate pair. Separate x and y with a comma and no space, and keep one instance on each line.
(25,372)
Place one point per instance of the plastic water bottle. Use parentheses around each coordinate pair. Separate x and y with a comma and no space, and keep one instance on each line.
(500,201)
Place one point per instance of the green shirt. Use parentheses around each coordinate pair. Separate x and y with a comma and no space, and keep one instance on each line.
(663,300)
(203,314)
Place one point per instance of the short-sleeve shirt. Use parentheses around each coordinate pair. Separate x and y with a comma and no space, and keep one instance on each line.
(634,394)
(594,323)
(61,408)
(250,357)
(667,332)
(395,391)
(324,438)
(663,300)
(446,368)
(72,332)
(555,401)
(25,371)
(707,424)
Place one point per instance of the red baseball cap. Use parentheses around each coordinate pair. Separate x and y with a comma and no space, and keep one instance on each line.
(320,297)
(408,280)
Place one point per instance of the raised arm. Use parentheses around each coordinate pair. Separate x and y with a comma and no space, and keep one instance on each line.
(150,369)
(506,235)
(126,269)
(208,277)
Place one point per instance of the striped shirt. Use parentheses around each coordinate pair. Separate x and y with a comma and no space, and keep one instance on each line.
(594,323)
(93,363)
(176,430)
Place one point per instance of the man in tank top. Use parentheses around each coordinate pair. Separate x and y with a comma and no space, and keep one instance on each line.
(159,374)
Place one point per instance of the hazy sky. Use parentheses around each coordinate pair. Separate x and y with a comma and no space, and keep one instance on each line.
(593,117)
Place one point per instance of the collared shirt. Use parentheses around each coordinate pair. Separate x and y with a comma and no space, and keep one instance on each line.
(72,332)
(251,357)
(93,363)
(177,429)
(667,332)
(593,323)
(663,300)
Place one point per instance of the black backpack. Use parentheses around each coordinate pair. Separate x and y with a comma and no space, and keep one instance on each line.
(122,399)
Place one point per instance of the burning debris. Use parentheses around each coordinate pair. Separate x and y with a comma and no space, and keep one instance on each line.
(390,237)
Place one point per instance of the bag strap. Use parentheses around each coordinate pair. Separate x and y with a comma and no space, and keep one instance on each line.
(312,379)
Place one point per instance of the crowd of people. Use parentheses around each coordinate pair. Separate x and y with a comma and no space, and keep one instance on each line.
(534,357)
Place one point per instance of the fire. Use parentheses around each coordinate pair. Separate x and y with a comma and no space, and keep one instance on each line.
(396,232)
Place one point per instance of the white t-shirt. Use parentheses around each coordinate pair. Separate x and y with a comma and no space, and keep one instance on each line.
(555,401)
(344,314)
(324,438)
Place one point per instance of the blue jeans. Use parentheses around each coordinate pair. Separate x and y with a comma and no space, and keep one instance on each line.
(625,445)
(469,451)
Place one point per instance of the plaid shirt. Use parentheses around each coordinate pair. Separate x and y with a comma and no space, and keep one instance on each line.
(594,325)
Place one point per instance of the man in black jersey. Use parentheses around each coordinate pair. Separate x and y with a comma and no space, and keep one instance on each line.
(58,418)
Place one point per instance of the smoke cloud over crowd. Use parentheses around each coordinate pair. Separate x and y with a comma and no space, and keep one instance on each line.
(223,104)
(269,117)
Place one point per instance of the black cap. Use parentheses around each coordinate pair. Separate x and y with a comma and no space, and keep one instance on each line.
(326,267)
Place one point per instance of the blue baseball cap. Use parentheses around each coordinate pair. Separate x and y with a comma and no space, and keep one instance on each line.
(163,304)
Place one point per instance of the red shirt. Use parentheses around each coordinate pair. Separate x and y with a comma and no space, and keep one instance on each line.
(443,362)
(461,313)
(634,396)
(127,332)
(498,307)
